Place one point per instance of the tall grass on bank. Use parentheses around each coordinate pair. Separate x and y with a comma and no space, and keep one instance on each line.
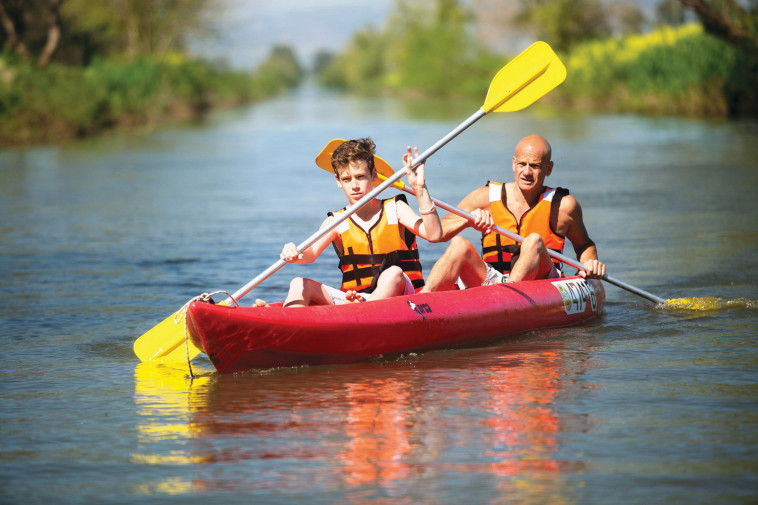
(672,71)
(59,101)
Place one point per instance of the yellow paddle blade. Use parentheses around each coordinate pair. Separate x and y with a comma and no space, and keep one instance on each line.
(165,342)
(324,158)
(526,78)
(324,161)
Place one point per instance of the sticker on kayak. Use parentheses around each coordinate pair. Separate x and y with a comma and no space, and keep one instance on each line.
(576,294)
(420,309)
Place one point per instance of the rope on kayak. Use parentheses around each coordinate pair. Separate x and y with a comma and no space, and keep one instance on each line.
(182,313)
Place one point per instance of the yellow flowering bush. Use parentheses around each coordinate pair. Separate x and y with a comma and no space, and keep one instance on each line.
(669,70)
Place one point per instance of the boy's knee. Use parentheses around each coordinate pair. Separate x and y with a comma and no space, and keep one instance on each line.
(297,284)
(393,274)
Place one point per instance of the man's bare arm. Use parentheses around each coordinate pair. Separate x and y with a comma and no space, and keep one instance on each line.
(453,224)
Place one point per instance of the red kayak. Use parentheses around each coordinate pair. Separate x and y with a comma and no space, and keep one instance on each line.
(241,338)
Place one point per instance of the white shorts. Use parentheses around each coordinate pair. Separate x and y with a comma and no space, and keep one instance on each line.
(338,296)
(495,277)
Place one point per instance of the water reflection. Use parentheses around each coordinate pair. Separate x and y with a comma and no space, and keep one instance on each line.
(378,428)
(370,430)
(524,424)
(526,428)
(162,396)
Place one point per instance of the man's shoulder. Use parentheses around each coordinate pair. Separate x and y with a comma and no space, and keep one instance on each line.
(567,203)
(481,192)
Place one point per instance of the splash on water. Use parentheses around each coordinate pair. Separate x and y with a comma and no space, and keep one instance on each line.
(708,303)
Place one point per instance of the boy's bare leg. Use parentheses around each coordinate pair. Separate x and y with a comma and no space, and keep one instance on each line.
(303,292)
(391,283)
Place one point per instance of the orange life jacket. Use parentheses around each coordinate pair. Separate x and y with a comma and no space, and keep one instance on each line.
(365,255)
(498,250)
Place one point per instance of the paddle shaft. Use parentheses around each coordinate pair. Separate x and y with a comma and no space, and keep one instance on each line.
(565,259)
(357,205)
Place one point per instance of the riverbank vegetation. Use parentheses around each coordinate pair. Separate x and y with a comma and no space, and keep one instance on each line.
(425,50)
(71,68)
(708,68)
(74,68)
(673,71)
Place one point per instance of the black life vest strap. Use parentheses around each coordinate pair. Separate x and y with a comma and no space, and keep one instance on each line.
(376,259)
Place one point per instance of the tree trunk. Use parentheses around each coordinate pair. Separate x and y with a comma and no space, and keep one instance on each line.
(53,33)
(735,25)
(13,42)
(717,23)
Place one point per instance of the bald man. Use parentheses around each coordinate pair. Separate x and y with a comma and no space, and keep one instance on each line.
(544,216)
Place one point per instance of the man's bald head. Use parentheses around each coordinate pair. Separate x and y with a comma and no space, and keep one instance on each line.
(537,145)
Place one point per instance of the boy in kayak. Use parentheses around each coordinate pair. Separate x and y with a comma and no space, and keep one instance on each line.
(544,216)
(377,244)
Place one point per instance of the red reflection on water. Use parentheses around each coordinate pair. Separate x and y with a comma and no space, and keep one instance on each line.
(524,422)
(377,428)
(388,426)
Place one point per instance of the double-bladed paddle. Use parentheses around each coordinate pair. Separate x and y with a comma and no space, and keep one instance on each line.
(385,171)
(517,85)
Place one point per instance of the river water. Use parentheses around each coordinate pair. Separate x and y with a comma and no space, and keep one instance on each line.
(101,239)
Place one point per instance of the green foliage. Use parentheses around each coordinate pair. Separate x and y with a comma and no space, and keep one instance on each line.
(565,23)
(60,101)
(126,87)
(427,48)
(132,28)
(50,101)
(431,49)
(362,66)
(125,67)
(105,28)
(670,12)
(322,60)
(279,71)
(671,71)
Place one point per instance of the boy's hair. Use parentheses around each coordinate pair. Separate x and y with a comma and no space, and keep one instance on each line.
(354,150)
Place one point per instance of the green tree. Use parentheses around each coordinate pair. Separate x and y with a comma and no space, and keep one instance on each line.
(322,60)
(361,66)
(670,12)
(428,46)
(729,20)
(78,29)
(564,23)
(629,18)
(737,24)
(280,70)
(31,28)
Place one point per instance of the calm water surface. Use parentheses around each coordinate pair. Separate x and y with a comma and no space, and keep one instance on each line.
(102,239)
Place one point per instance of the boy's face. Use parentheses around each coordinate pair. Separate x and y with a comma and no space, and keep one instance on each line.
(356,180)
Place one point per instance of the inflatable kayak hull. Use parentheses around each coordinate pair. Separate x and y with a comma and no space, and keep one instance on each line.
(242,338)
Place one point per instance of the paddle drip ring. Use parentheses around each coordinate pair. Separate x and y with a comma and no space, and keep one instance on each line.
(182,313)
